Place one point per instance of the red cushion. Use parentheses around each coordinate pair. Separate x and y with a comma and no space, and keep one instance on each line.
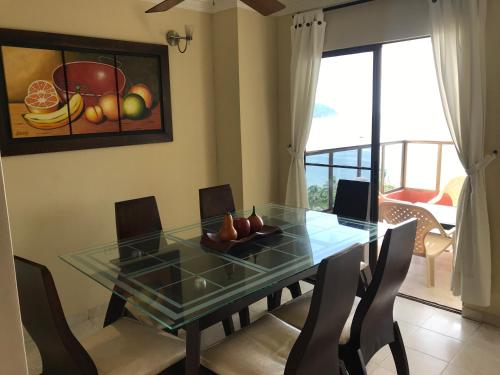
(412,195)
(445,200)
(423,196)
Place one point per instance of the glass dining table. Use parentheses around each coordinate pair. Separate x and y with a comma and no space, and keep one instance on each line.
(180,283)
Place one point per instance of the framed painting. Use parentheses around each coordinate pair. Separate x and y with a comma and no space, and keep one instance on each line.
(61,93)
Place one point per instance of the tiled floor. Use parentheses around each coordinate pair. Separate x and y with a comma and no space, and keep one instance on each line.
(416,281)
(437,342)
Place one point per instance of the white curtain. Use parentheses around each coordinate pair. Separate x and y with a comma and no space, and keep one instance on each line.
(308,34)
(457,30)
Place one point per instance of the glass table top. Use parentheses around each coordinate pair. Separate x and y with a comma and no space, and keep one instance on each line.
(174,279)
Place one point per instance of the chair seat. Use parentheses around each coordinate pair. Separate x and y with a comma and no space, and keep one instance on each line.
(261,348)
(129,347)
(295,313)
(436,244)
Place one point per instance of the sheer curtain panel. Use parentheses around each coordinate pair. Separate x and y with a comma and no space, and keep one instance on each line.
(308,34)
(458,31)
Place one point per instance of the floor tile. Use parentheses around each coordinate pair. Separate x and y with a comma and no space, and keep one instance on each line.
(371,367)
(434,344)
(479,355)
(406,329)
(381,355)
(411,312)
(382,371)
(451,324)
(416,281)
(453,370)
(489,335)
(420,363)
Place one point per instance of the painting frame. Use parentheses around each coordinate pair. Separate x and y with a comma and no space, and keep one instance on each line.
(11,146)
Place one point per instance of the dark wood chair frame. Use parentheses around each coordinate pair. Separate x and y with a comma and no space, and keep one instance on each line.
(373,325)
(352,201)
(316,350)
(44,319)
(218,200)
(134,218)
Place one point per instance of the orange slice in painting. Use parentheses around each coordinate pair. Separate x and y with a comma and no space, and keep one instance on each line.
(42,97)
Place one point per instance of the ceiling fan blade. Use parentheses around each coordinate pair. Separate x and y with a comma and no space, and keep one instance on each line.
(265,7)
(164,5)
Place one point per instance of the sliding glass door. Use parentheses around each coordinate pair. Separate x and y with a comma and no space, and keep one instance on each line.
(378,117)
(344,139)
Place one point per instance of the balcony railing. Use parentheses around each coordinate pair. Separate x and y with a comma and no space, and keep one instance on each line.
(425,165)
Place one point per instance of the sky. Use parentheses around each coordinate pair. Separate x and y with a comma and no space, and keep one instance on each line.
(411,106)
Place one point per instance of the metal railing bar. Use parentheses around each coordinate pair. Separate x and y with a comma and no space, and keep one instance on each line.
(338,166)
(349,148)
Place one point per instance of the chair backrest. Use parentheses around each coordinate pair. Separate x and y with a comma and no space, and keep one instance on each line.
(453,188)
(43,318)
(352,199)
(216,201)
(137,217)
(372,325)
(396,213)
(316,350)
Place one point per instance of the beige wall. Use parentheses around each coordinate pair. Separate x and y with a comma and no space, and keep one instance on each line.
(64,201)
(227,101)
(258,65)
(12,358)
(492,142)
(284,110)
(245,62)
(376,22)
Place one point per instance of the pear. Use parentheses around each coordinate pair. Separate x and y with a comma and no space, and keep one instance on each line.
(256,222)
(227,231)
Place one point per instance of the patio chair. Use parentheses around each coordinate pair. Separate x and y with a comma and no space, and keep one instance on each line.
(431,239)
(453,189)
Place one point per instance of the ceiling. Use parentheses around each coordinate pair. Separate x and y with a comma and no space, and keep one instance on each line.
(292,6)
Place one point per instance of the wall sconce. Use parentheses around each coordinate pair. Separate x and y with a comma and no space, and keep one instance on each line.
(174,39)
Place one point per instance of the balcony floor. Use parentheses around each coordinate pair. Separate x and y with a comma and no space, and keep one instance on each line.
(416,282)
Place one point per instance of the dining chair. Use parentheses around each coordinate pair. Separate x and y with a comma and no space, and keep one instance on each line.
(271,346)
(371,324)
(125,347)
(218,200)
(352,201)
(431,239)
(133,218)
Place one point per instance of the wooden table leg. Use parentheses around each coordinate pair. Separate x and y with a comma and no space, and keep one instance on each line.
(193,343)
(244,317)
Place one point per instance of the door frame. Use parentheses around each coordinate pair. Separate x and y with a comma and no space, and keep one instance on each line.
(376,50)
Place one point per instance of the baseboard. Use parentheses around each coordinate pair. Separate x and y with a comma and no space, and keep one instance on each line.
(481,316)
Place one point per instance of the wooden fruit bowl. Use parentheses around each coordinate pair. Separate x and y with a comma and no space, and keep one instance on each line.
(212,240)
